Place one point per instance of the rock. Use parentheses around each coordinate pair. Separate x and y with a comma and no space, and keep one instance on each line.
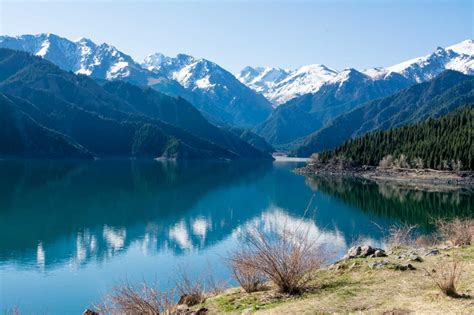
(364,251)
(90,312)
(416,258)
(379,264)
(247,311)
(433,252)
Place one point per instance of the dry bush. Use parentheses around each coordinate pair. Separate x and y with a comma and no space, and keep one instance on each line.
(457,231)
(249,278)
(426,241)
(386,162)
(447,276)
(143,299)
(215,287)
(191,291)
(400,235)
(288,259)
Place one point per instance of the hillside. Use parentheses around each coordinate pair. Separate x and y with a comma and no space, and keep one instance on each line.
(21,135)
(108,124)
(436,143)
(444,94)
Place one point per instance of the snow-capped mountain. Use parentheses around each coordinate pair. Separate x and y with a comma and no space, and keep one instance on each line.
(206,85)
(262,79)
(459,57)
(81,57)
(279,86)
(215,90)
(309,79)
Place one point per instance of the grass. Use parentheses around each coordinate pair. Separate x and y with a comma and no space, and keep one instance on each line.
(353,287)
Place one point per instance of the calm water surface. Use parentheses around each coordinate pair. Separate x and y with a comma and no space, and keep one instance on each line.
(69,231)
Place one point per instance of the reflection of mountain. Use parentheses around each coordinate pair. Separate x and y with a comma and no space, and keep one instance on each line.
(103,206)
(394,202)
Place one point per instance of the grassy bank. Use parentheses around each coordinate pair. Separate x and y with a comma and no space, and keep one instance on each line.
(366,285)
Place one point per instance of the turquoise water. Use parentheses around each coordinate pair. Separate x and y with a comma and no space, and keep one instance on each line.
(71,230)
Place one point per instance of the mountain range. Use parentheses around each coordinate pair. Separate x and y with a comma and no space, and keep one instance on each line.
(286,108)
(216,92)
(75,115)
(281,85)
(290,123)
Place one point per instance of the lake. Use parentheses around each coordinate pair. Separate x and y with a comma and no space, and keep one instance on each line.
(71,230)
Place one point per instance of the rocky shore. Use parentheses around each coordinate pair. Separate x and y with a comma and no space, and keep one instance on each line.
(401,176)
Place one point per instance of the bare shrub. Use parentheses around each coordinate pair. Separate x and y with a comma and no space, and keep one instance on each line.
(215,287)
(249,278)
(386,161)
(457,231)
(288,259)
(447,276)
(418,163)
(402,162)
(128,299)
(425,241)
(399,235)
(192,291)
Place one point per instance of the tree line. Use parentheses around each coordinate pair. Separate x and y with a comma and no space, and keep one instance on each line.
(444,143)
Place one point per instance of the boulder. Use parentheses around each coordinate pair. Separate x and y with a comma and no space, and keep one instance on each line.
(364,251)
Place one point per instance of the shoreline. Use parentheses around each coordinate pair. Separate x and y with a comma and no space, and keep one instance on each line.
(417,178)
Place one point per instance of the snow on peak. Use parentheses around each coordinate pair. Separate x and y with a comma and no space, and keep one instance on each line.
(310,78)
(459,57)
(82,56)
(188,71)
(465,47)
(280,85)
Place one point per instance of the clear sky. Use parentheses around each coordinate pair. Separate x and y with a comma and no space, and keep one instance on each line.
(288,34)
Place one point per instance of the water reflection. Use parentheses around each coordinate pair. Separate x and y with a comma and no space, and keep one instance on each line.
(414,206)
(90,224)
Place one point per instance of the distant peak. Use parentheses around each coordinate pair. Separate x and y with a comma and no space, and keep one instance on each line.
(84,40)
(184,57)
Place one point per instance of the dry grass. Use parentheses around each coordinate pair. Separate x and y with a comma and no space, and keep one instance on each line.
(130,300)
(447,276)
(288,259)
(457,231)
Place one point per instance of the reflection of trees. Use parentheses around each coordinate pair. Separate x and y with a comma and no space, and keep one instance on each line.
(406,204)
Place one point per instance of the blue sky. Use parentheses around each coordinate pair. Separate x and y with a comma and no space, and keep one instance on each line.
(288,34)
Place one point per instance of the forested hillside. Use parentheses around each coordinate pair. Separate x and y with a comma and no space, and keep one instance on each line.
(114,120)
(445,143)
